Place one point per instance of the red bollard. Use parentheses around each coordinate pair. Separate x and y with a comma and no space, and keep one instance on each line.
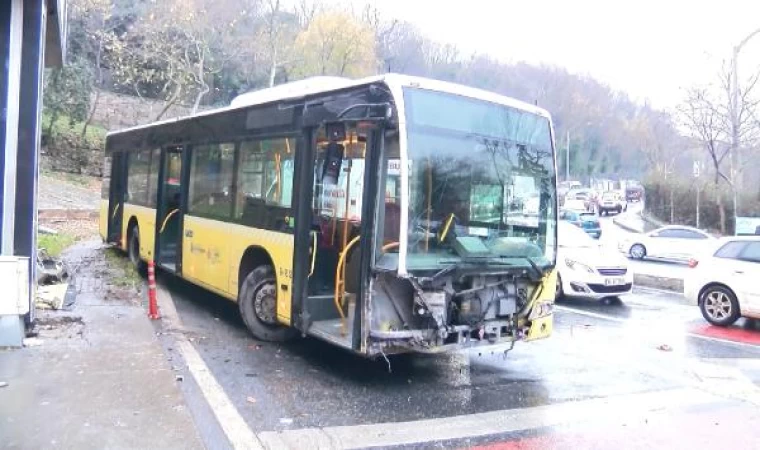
(152,303)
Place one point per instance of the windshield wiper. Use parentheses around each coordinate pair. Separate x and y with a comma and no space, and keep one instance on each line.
(539,272)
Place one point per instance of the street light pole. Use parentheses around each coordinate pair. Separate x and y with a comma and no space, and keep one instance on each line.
(735,158)
(567,158)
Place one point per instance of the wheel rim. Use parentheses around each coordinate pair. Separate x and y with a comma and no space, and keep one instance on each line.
(637,251)
(265,302)
(717,305)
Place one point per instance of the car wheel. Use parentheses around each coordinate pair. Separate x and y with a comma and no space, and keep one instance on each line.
(638,251)
(257,301)
(719,306)
(559,293)
(619,210)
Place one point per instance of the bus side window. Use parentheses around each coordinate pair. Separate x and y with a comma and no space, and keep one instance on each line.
(265,182)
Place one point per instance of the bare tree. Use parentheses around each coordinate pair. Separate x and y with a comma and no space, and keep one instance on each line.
(706,120)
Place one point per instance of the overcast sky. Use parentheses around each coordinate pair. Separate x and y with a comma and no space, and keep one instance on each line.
(648,48)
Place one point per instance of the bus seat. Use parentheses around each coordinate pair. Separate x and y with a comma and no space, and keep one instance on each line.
(254,211)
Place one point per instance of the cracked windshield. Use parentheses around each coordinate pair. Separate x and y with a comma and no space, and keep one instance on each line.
(366,224)
(481,179)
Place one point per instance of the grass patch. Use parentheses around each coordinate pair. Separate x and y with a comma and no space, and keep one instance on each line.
(55,244)
(123,273)
(64,126)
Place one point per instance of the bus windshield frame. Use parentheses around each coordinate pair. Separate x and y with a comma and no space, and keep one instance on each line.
(481,183)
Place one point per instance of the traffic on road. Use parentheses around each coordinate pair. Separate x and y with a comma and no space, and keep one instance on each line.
(644,351)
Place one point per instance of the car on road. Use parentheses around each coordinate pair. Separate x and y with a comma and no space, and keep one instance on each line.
(672,242)
(612,202)
(634,193)
(588,196)
(724,280)
(585,220)
(587,269)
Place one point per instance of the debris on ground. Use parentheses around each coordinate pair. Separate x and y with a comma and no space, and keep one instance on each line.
(49,269)
(51,296)
(250,400)
(665,348)
(32,342)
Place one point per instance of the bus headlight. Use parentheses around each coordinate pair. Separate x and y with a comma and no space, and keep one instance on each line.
(541,309)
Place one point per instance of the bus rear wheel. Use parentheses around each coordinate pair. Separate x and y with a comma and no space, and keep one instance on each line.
(133,249)
(257,301)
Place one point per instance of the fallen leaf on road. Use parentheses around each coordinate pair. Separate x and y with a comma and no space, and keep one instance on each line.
(250,400)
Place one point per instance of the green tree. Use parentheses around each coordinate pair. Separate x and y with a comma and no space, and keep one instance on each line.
(335,44)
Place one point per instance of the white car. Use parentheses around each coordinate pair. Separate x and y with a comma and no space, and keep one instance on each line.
(723,282)
(672,242)
(612,201)
(586,269)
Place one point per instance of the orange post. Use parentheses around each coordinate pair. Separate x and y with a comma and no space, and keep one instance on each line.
(152,303)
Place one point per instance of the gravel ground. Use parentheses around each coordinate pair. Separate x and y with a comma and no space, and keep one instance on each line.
(66,191)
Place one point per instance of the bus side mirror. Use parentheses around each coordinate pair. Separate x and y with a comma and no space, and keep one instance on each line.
(333,163)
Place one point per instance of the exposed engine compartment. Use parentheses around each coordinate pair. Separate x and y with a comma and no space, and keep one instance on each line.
(452,309)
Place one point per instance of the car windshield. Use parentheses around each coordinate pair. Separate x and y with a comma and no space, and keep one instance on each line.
(478,171)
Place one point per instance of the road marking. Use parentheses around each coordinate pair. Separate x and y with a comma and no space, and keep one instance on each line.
(232,423)
(599,411)
(643,325)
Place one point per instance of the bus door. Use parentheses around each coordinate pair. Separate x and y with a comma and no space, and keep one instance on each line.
(169,210)
(117,193)
(339,215)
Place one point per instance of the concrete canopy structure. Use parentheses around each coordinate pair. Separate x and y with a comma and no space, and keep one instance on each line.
(32,37)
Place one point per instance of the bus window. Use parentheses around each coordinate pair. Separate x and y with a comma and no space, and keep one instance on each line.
(265,174)
(138,167)
(155,162)
(211,180)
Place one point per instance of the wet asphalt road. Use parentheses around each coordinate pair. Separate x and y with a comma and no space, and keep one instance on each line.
(645,343)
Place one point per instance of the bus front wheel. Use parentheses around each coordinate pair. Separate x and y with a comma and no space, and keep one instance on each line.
(257,301)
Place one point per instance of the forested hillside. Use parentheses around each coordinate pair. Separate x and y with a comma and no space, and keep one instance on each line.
(202,53)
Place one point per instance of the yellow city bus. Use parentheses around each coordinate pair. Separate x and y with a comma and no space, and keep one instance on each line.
(384,215)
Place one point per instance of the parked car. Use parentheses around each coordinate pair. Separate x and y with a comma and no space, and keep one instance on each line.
(585,220)
(672,242)
(612,201)
(586,269)
(724,280)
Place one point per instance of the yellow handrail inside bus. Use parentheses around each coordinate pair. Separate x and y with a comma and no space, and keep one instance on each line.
(115,209)
(313,252)
(340,282)
(166,220)
(446,228)
(390,245)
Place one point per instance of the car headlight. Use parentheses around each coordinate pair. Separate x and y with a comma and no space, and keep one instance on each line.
(575,265)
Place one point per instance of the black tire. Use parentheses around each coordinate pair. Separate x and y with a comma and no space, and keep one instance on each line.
(719,306)
(133,249)
(638,251)
(619,209)
(257,301)
(559,293)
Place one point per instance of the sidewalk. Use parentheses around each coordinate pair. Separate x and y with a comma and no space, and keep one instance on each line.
(99,379)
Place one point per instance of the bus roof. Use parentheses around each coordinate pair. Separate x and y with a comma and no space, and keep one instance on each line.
(319,85)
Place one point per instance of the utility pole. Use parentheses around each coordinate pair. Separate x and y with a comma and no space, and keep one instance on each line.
(567,158)
(697,172)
